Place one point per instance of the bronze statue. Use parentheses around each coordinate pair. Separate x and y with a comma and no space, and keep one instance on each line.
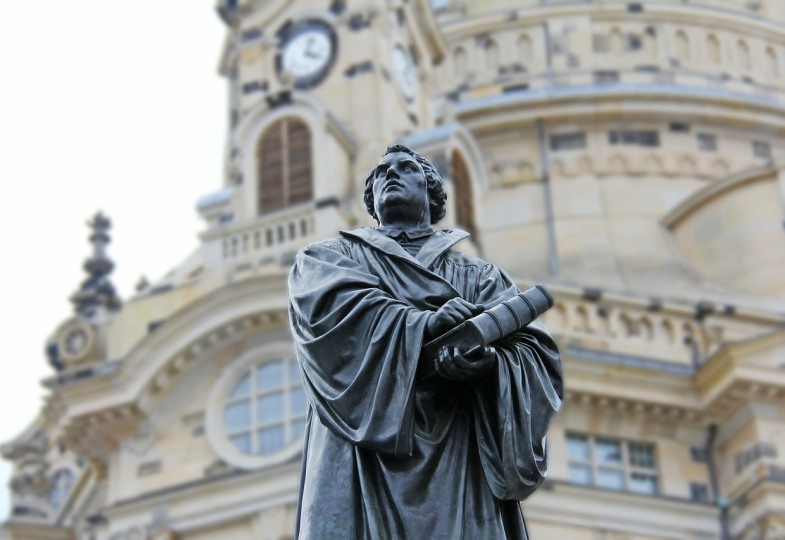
(393,451)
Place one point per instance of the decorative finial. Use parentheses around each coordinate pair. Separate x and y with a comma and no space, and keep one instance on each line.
(142,284)
(97,290)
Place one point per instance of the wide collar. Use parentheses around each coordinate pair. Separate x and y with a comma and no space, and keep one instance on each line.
(439,242)
(409,235)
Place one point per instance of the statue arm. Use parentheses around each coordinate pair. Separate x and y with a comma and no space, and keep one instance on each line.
(515,404)
(358,348)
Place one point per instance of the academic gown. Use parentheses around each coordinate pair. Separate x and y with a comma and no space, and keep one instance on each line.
(388,456)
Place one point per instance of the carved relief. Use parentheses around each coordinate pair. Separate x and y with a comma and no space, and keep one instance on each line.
(30,484)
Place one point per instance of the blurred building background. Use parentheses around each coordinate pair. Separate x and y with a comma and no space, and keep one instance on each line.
(630,155)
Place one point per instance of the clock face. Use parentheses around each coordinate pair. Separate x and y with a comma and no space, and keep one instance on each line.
(307,53)
(76,342)
(405,72)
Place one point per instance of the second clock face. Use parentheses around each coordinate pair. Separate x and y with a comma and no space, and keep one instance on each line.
(405,72)
(308,52)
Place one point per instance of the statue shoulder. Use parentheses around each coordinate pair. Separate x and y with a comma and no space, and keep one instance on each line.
(464,259)
(338,243)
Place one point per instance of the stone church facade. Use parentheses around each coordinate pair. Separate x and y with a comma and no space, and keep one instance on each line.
(629,155)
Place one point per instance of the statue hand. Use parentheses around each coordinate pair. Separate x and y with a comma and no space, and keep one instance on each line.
(453,365)
(450,315)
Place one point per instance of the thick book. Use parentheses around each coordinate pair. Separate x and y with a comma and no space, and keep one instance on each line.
(490,326)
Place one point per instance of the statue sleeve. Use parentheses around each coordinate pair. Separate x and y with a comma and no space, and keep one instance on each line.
(514,406)
(358,347)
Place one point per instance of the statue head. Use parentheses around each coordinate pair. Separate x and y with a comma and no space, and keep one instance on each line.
(435,197)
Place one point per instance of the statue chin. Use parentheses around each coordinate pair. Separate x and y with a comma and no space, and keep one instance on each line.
(401,211)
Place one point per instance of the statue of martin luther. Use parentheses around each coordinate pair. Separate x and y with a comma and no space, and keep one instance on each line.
(389,455)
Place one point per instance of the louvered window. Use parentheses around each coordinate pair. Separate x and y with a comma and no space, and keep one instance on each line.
(283,159)
(463,195)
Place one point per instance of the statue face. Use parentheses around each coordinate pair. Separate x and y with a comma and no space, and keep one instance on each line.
(400,190)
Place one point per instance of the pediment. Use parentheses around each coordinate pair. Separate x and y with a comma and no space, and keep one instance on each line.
(730,232)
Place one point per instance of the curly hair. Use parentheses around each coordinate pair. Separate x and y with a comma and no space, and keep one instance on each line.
(437,197)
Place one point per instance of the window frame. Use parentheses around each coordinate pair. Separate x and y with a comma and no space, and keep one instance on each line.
(220,395)
(625,465)
(65,495)
(278,145)
(463,194)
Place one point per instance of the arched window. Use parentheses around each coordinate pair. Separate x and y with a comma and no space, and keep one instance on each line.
(682,46)
(491,56)
(283,159)
(265,411)
(650,45)
(525,50)
(616,42)
(61,487)
(464,206)
(772,62)
(713,49)
(743,55)
(460,62)
(582,319)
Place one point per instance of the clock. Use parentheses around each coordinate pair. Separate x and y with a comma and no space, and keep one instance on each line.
(307,53)
(405,73)
(75,341)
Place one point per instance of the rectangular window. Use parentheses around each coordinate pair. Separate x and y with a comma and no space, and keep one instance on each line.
(612,464)
(761,149)
(568,141)
(606,77)
(600,43)
(698,454)
(707,142)
(753,453)
(699,492)
(634,137)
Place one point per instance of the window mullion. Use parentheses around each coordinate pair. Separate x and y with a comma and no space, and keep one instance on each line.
(626,465)
(285,160)
(254,437)
(592,460)
(287,412)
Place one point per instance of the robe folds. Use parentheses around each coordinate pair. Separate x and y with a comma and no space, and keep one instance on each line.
(388,456)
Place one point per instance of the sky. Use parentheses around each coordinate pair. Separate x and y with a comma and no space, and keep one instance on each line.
(104,105)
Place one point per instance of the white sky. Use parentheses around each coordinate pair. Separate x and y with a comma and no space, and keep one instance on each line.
(104,105)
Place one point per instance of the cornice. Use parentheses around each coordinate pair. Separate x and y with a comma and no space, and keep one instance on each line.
(682,15)
(113,410)
(726,382)
(427,30)
(206,489)
(596,101)
(36,531)
(642,303)
(623,513)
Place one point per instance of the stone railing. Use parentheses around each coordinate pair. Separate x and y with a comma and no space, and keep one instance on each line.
(265,239)
(612,325)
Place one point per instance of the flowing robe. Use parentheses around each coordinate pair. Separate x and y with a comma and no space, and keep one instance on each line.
(387,456)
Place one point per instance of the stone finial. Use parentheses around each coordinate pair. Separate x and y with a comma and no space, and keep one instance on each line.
(143,284)
(97,290)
